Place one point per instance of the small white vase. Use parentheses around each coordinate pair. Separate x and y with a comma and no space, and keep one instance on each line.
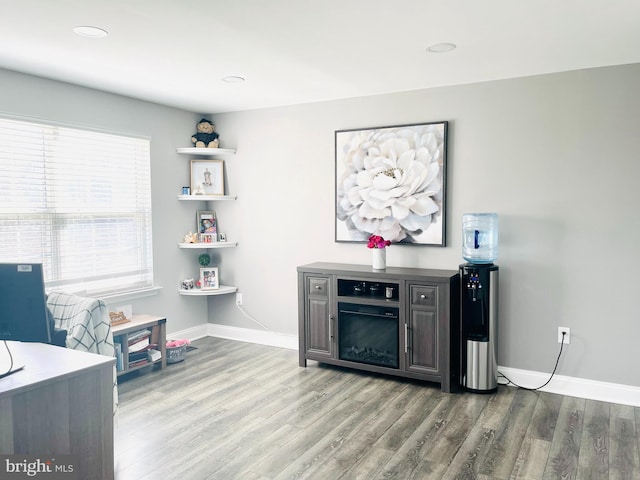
(379,258)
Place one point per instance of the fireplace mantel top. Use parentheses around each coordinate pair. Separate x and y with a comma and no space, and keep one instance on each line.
(367,270)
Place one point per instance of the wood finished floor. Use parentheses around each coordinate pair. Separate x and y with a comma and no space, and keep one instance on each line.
(238,411)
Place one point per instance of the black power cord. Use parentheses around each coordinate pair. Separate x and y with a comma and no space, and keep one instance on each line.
(10,371)
(509,382)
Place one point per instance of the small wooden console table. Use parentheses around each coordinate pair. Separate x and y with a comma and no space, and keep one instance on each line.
(157,325)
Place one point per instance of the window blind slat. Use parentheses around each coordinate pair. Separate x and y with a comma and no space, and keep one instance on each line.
(79,201)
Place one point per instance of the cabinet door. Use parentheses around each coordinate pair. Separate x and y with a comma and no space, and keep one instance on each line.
(319,321)
(422,330)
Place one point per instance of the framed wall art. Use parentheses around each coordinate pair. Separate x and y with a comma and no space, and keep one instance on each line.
(207,226)
(391,182)
(207,177)
(209,279)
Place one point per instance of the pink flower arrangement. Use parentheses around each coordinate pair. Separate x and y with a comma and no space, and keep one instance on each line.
(376,241)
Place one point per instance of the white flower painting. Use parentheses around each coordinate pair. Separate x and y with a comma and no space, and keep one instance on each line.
(390,182)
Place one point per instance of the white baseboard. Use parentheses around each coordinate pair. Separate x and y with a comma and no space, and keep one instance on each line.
(261,337)
(249,335)
(575,387)
(560,384)
(193,333)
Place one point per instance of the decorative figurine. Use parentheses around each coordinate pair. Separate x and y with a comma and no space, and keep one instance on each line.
(206,137)
(191,238)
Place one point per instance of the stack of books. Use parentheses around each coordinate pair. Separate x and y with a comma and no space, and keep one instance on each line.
(137,348)
(139,345)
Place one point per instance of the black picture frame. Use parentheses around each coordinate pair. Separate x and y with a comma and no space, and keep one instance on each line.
(391,181)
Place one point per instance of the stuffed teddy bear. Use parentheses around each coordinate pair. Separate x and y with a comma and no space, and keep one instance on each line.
(206,136)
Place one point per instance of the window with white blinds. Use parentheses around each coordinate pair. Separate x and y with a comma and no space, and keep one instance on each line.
(79,202)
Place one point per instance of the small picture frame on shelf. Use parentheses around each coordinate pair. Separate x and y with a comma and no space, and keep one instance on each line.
(209,279)
(206,224)
(207,177)
(208,238)
(222,237)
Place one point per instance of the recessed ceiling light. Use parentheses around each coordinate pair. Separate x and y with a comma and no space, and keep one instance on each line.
(88,31)
(441,47)
(233,79)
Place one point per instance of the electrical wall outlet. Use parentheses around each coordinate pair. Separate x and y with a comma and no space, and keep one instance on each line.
(238,298)
(567,336)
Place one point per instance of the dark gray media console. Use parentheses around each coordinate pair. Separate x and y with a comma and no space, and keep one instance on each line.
(397,321)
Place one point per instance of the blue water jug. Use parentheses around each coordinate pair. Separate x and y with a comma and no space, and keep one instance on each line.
(480,237)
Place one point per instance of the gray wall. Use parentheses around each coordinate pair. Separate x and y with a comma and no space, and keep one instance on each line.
(556,156)
(37,98)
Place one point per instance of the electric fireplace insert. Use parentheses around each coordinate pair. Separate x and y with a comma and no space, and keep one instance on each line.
(368,334)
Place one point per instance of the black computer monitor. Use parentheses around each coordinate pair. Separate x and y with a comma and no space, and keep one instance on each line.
(23,307)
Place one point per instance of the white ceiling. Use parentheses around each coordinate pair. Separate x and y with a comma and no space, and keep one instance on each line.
(175,52)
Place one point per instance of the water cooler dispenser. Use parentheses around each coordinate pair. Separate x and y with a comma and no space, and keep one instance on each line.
(479,303)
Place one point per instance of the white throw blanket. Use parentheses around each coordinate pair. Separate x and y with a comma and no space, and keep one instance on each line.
(88,327)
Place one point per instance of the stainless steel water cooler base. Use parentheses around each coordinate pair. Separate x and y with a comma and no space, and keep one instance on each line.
(481,373)
(479,327)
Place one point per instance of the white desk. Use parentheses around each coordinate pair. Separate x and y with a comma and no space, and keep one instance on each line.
(60,403)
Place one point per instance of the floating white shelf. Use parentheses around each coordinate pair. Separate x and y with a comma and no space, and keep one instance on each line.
(205,151)
(196,292)
(208,245)
(206,198)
